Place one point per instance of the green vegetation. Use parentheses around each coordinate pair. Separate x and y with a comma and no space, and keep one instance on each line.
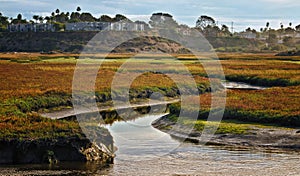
(45,82)
(220,36)
(276,106)
(32,126)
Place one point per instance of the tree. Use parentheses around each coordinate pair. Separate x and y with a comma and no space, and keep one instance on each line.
(86,17)
(281,29)
(248,29)
(105,18)
(163,20)
(3,22)
(281,25)
(41,19)
(78,9)
(61,18)
(290,24)
(267,26)
(48,19)
(18,20)
(205,21)
(36,18)
(120,17)
(57,11)
(225,30)
(59,26)
(74,17)
(289,30)
(19,17)
(297,27)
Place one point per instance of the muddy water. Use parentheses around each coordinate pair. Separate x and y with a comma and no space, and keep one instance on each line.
(144,150)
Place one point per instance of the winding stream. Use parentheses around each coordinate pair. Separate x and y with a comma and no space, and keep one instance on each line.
(144,150)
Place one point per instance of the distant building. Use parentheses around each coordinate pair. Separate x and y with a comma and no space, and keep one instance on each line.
(79,26)
(247,35)
(127,26)
(29,27)
(99,26)
(88,26)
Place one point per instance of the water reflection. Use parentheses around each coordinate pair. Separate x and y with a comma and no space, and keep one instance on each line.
(144,150)
(138,140)
(242,86)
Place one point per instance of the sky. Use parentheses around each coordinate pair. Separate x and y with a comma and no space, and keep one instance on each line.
(243,13)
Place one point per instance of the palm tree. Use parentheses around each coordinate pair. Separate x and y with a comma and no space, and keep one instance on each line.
(41,19)
(267,29)
(68,16)
(35,17)
(267,25)
(78,9)
(57,11)
(281,30)
(48,19)
(19,17)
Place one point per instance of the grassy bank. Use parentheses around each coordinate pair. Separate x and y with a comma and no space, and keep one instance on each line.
(45,82)
(275,106)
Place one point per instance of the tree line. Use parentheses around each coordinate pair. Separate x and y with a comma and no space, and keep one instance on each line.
(206,24)
(60,18)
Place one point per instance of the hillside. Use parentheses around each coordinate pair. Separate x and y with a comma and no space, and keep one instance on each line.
(74,42)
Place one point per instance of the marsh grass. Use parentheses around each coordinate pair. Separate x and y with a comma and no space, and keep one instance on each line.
(33,82)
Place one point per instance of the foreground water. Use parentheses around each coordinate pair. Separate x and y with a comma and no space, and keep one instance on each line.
(144,150)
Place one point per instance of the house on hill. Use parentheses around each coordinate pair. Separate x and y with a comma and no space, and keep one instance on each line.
(99,26)
(31,27)
(247,35)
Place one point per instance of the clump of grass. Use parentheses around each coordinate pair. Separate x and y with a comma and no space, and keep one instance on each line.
(222,128)
(33,126)
(276,106)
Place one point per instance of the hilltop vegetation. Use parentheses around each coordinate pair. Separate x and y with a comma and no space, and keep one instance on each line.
(220,36)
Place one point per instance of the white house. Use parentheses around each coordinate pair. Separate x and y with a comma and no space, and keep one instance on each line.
(248,35)
(88,26)
(31,27)
(99,26)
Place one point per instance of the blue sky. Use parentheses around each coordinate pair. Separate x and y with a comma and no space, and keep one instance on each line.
(243,13)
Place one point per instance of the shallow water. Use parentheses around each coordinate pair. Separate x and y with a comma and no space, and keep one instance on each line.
(144,150)
(240,85)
